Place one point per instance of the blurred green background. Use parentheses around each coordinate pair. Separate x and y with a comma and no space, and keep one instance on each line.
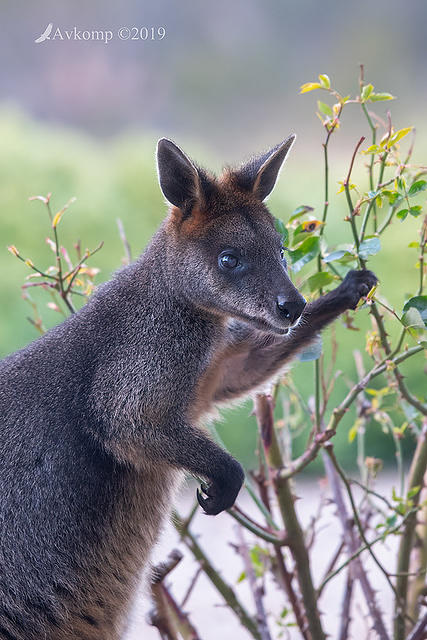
(82,119)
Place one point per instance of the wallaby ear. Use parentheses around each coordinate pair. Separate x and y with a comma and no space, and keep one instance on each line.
(178,177)
(259,175)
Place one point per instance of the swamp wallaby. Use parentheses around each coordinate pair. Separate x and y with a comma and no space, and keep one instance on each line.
(99,417)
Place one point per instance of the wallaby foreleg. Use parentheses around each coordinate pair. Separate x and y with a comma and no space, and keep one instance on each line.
(255,361)
(187,447)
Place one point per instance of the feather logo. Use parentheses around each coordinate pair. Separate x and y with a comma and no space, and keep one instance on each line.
(45,35)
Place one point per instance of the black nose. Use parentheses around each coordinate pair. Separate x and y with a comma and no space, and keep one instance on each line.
(290,309)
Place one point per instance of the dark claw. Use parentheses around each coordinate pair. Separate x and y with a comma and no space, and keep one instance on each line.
(221,492)
(205,488)
(200,499)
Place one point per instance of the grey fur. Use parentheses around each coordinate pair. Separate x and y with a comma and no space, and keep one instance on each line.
(99,416)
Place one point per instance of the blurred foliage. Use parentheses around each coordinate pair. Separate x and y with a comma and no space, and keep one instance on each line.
(117,178)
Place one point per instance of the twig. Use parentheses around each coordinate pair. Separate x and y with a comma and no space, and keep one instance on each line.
(330,568)
(170,620)
(219,583)
(358,552)
(346,607)
(125,241)
(352,544)
(368,545)
(256,529)
(191,587)
(256,590)
(418,632)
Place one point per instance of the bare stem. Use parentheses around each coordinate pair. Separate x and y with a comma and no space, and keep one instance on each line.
(368,545)
(352,544)
(265,420)
(169,618)
(416,474)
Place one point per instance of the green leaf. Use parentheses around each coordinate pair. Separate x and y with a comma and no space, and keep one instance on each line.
(378,97)
(412,319)
(391,521)
(402,214)
(280,228)
(369,247)
(325,109)
(319,280)
(401,183)
(413,492)
(335,255)
(413,245)
(324,81)
(415,210)
(419,303)
(241,577)
(416,187)
(299,211)
(391,195)
(307,250)
(374,148)
(366,92)
(353,432)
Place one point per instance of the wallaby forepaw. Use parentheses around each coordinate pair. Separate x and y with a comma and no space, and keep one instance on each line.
(357,284)
(221,495)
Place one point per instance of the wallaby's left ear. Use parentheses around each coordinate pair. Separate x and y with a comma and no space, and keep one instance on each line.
(259,175)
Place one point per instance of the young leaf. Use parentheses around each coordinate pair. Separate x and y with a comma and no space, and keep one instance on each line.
(353,432)
(324,81)
(325,109)
(13,250)
(374,148)
(396,137)
(366,92)
(310,86)
(378,97)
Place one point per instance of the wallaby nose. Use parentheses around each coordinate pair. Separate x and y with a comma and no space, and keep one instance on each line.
(290,309)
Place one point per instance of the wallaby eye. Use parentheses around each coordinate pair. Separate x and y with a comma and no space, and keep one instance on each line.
(282,252)
(228,261)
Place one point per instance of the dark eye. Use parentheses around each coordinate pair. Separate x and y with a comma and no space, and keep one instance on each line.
(282,253)
(228,261)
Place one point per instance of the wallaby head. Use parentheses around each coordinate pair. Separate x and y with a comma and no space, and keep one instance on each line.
(223,252)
